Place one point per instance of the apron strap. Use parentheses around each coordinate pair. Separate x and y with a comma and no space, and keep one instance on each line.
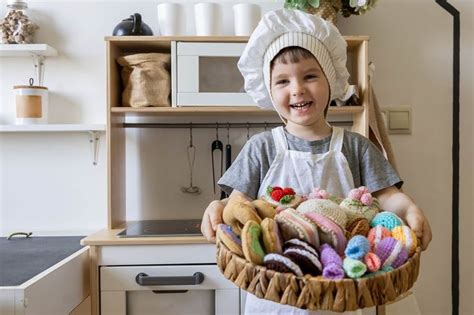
(337,139)
(280,140)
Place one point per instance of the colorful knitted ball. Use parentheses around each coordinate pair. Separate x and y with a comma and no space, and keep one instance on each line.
(386,219)
(408,238)
(357,247)
(354,268)
(372,261)
(391,252)
(376,234)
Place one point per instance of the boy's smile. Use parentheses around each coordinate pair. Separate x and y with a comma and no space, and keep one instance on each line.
(300,93)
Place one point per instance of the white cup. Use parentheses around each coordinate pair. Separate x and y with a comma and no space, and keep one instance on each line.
(207,19)
(171,19)
(246,18)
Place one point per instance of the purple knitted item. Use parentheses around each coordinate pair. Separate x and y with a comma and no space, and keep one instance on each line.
(329,256)
(391,252)
(332,263)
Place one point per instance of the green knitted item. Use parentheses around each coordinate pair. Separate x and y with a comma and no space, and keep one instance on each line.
(354,268)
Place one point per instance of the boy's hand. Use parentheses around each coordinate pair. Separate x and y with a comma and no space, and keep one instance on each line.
(419,224)
(211,219)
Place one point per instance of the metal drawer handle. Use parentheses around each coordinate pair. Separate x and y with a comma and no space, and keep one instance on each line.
(145,280)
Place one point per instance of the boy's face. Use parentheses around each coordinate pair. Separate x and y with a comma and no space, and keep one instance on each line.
(300,92)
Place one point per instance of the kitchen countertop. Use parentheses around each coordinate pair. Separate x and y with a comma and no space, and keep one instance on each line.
(23,258)
(109,237)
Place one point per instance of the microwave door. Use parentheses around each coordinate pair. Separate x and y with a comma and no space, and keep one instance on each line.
(208,75)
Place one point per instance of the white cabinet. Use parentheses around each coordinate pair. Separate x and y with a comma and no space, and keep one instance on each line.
(56,291)
(164,279)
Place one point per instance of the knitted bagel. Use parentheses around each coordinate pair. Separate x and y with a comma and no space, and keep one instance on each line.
(237,212)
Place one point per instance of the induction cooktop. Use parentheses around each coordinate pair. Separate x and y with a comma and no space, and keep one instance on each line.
(150,228)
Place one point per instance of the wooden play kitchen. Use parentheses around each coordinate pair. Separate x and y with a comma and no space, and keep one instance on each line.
(174,263)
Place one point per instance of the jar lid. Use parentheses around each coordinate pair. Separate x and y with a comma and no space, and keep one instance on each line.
(29,87)
(17,4)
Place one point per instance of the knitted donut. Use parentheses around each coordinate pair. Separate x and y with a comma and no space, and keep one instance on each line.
(264,208)
(237,212)
(271,236)
(226,236)
(251,246)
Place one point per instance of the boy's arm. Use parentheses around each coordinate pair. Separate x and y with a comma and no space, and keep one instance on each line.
(213,215)
(392,199)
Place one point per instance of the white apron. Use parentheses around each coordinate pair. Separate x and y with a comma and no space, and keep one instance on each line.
(303,171)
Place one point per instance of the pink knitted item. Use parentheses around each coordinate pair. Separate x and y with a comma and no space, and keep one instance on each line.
(318,193)
(366,199)
(376,234)
(372,261)
(355,194)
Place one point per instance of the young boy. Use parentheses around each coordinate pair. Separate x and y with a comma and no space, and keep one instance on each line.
(296,63)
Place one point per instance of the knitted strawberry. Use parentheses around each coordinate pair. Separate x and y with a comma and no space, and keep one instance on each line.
(277,194)
(288,191)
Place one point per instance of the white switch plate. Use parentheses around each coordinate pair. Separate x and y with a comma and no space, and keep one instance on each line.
(398,120)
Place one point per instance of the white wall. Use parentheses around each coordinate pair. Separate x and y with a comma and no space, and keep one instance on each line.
(49,186)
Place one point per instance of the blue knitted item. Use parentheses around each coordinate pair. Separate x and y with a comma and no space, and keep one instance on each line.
(357,247)
(387,219)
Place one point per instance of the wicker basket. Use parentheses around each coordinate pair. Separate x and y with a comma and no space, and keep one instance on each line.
(317,293)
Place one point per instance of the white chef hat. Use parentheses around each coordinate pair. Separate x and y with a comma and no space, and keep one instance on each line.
(284,28)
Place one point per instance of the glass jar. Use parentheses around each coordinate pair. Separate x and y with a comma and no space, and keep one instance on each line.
(17,27)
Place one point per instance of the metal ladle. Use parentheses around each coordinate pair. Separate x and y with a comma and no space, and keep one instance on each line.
(191,155)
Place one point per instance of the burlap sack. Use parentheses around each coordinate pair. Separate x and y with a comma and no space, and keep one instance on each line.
(146,79)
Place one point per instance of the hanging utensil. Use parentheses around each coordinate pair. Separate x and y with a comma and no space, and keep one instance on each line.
(248,131)
(228,158)
(191,154)
(216,145)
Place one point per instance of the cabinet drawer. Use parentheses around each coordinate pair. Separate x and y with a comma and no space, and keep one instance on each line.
(124,278)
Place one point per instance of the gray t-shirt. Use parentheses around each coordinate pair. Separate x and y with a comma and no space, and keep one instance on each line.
(368,165)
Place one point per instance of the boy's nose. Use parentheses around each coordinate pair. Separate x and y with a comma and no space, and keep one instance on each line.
(298,89)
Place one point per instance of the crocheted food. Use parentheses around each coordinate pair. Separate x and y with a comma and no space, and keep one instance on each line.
(359,226)
(251,246)
(354,268)
(357,247)
(271,236)
(281,263)
(332,263)
(237,212)
(229,239)
(264,208)
(329,232)
(326,208)
(376,234)
(293,224)
(391,252)
(386,219)
(307,260)
(360,204)
(408,238)
(282,198)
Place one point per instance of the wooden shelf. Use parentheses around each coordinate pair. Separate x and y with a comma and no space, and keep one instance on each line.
(218,110)
(22,50)
(52,128)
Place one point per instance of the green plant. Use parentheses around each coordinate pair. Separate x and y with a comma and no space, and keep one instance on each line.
(347,7)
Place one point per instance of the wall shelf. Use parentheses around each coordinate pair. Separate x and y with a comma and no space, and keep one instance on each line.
(94,131)
(52,128)
(37,51)
(26,50)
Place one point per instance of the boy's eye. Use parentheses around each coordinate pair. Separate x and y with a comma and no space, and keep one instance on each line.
(281,82)
(311,76)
